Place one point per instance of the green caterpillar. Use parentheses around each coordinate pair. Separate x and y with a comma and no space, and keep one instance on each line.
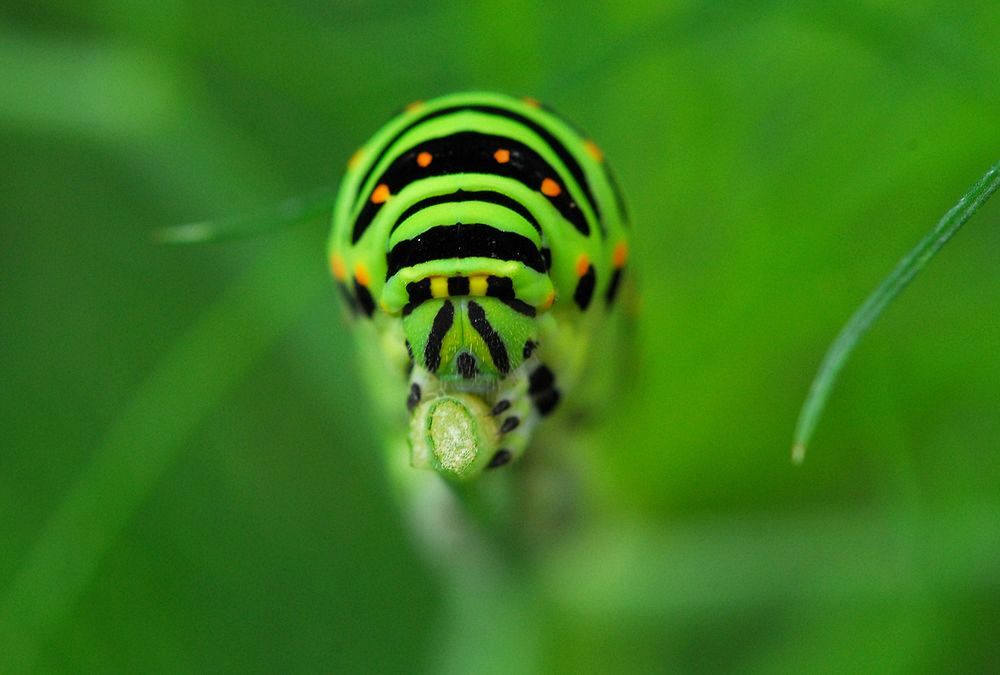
(479,242)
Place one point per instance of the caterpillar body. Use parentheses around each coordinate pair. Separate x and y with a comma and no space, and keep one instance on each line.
(479,242)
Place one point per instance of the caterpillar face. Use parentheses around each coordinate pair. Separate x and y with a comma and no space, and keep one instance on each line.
(487,234)
(469,342)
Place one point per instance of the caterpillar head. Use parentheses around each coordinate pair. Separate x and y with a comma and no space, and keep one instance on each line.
(469,344)
(462,349)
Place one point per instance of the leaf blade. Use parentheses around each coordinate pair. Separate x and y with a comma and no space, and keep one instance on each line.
(285,214)
(906,269)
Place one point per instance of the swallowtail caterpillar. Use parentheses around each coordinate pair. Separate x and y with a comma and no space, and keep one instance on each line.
(479,242)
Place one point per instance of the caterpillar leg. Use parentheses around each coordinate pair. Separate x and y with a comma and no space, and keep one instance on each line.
(523,399)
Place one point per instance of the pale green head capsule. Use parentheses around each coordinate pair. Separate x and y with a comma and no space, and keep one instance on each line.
(469,343)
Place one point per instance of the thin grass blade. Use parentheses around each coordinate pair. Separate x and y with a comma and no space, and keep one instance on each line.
(862,319)
(286,214)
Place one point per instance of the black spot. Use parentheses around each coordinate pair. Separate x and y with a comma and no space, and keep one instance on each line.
(616,278)
(519,306)
(502,288)
(547,401)
(500,407)
(502,457)
(442,324)
(458,286)
(540,380)
(345,293)
(409,349)
(467,365)
(419,291)
(499,287)
(365,300)
(509,424)
(547,258)
(585,288)
(414,398)
(529,349)
(498,351)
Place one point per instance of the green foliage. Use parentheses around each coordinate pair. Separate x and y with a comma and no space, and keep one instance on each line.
(189,481)
(881,297)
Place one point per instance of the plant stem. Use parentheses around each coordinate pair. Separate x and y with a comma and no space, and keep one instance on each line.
(287,213)
(885,293)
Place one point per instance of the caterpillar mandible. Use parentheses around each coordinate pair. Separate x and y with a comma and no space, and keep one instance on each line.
(478,241)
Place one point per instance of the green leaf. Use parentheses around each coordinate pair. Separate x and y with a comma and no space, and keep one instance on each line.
(862,319)
(287,213)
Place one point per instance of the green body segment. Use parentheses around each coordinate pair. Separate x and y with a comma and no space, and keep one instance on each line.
(479,241)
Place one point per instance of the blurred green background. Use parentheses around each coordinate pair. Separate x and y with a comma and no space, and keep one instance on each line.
(188,481)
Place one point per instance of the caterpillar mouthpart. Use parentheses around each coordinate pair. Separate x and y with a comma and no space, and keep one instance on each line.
(454,434)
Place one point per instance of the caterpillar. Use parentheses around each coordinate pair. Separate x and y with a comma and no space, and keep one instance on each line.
(479,241)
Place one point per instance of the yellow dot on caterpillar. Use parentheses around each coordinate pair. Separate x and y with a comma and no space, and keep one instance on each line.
(414,106)
(620,255)
(355,159)
(531,102)
(593,150)
(380,194)
(424,159)
(439,287)
(361,274)
(478,285)
(550,188)
(338,267)
(549,299)
(582,264)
